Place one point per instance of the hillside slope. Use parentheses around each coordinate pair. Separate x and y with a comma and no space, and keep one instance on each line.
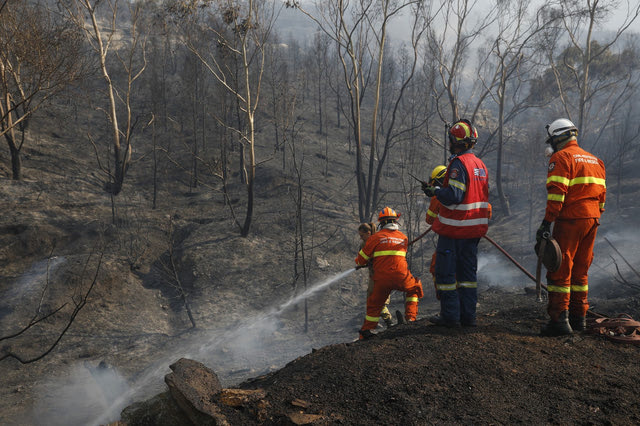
(59,232)
(501,372)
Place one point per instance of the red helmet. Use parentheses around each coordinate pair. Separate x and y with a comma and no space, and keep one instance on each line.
(462,132)
(388,213)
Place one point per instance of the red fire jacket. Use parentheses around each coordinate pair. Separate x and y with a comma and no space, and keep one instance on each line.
(470,218)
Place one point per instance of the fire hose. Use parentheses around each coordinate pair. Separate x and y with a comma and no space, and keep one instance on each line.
(420,236)
(536,280)
(503,251)
(543,246)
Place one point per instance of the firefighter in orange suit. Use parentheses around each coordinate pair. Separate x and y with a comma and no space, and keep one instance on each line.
(575,200)
(386,250)
(366,230)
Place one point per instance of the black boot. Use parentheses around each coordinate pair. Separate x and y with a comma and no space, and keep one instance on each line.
(558,328)
(400,317)
(578,323)
(366,334)
(438,320)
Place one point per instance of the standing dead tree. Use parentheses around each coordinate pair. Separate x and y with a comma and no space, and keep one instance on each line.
(449,47)
(130,54)
(359,31)
(240,31)
(505,76)
(39,57)
(584,70)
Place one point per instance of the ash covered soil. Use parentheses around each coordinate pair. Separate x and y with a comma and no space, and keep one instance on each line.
(501,372)
(58,233)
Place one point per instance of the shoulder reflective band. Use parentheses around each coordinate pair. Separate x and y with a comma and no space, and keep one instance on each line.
(588,179)
(577,181)
(461,186)
(560,179)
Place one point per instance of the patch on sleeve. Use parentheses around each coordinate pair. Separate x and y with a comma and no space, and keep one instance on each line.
(552,166)
(453,174)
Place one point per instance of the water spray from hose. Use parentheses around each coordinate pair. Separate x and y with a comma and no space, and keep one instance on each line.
(237,336)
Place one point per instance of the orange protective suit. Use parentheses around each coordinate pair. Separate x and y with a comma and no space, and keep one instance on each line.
(576,193)
(387,251)
(432,213)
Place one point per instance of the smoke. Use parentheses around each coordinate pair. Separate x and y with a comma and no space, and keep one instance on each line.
(613,250)
(87,395)
(28,289)
(74,396)
(494,270)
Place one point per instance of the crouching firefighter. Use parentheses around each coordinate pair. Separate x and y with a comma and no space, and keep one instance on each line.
(386,250)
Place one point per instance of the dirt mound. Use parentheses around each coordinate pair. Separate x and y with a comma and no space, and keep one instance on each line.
(500,372)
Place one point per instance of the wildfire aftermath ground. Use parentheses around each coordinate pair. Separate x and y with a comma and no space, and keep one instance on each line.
(501,372)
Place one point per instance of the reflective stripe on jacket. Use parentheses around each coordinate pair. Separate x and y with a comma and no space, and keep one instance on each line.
(576,185)
(470,218)
(432,212)
(387,250)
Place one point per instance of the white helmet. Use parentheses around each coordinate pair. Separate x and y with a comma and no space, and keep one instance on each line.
(560,131)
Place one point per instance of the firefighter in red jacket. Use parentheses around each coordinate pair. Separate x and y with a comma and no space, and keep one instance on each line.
(386,250)
(576,193)
(462,219)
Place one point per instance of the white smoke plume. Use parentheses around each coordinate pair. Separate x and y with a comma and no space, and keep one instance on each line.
(87,395)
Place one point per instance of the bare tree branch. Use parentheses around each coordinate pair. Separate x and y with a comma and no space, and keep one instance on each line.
(79,304)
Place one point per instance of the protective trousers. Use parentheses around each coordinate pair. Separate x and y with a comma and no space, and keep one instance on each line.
(384,314)
(412,288)
(568,287)
(456,278)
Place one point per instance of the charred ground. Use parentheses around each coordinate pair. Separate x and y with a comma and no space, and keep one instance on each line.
(501,372)
(56,222)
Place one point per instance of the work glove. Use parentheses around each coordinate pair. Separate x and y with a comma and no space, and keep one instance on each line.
(544,231)
(429,190)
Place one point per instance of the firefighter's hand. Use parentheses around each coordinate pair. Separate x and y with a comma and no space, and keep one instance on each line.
(429,190)
(544,231)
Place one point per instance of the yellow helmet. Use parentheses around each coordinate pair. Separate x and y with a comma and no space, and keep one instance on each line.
(437,175)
